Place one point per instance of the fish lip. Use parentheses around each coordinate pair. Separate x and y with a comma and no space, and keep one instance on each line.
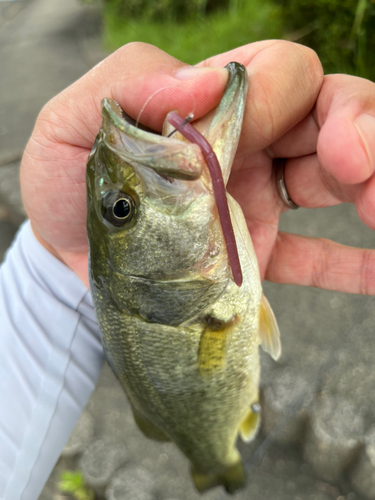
(154,279)
(167,156)
(173,278)
(123,122)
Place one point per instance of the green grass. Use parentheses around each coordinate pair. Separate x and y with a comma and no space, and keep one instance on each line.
(198,39)
(72,482)
(343,34)
(341,31)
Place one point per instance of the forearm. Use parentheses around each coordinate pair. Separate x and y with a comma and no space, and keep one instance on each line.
(50,359)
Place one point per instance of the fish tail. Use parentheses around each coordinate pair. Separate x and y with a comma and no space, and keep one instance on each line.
(232,478)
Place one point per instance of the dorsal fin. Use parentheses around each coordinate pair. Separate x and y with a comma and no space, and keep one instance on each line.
(269,333)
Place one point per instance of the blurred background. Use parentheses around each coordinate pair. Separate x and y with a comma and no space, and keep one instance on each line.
(318,435)
(341,31)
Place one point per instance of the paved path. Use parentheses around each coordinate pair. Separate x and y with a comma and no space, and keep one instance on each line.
(42,52)
(319,396)
(45,45)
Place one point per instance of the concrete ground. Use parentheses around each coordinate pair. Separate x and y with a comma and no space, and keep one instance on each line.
(318,439)
(45,45)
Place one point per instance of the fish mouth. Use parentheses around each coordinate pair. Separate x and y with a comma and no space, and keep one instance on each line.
(168,157)
(174,157)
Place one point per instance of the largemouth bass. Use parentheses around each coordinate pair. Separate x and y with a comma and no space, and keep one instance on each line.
(178,332)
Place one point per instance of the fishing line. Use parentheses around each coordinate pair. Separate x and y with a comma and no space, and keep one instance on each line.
(160,90)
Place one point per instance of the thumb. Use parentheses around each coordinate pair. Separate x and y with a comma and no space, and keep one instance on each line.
(130,76)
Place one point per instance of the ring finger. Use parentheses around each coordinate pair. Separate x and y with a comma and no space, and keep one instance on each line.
(311,186)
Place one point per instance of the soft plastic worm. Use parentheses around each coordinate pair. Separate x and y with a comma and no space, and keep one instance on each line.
(193,135)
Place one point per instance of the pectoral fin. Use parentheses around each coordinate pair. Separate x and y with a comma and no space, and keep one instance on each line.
(268,330)
(214,344)
(250,423)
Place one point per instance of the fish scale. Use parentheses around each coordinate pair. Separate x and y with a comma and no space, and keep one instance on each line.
(179,334)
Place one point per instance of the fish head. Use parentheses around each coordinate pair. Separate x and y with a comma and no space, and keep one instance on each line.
(152,216)
(149,199)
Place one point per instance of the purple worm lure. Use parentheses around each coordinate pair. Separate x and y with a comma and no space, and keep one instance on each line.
(196,137)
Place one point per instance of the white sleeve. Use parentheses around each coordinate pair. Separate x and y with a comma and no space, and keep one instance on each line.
(50,359)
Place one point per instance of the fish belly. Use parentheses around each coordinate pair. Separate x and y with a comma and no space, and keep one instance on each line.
(194,382)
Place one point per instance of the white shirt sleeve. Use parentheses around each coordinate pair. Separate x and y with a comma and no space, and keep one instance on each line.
(50,359)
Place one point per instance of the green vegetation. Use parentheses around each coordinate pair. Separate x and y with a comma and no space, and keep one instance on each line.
(341,31)
(202,34)
(168,10)
(72,482)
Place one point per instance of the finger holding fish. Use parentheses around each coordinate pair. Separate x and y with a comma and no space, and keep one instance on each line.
(340,170)
(340,130)
(284,82)
(53,165)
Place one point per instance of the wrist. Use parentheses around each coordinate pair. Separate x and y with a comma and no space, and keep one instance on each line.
(76,261)
(45,244)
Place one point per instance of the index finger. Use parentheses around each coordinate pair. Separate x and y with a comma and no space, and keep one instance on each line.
(284,82)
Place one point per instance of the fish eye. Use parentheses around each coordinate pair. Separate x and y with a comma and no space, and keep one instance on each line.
(121,209)
(118,208)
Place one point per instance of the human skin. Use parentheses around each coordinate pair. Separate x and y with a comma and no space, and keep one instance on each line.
(324,125)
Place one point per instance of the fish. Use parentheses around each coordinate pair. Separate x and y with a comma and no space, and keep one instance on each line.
(178,331)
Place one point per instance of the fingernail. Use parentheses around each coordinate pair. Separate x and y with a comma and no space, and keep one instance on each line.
(365,125)
(191,72)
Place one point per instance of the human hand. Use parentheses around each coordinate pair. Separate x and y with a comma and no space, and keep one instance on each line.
(53,181)
(285,80)
(331,160)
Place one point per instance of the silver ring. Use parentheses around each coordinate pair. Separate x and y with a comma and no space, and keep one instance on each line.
(280,181)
